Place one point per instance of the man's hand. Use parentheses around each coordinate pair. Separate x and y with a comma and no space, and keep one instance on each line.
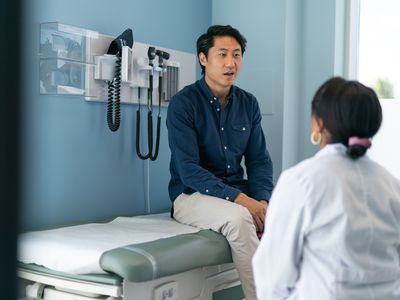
(256,208)
(260,233)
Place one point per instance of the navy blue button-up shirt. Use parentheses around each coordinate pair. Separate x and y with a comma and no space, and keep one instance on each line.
(208,142)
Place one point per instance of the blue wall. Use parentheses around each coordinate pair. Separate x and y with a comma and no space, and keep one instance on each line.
(318,62)
(74,169)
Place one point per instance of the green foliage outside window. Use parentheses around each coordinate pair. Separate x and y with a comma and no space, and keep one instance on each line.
(384,88)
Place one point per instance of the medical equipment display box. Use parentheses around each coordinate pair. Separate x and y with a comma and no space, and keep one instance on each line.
(66,59)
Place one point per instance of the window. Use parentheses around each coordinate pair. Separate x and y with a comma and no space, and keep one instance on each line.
(379,47)
(375,61)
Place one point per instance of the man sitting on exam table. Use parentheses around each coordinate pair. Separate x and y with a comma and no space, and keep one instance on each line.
(212,125)
(333,225)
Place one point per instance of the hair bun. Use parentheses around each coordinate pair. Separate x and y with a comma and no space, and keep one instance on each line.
(356,151)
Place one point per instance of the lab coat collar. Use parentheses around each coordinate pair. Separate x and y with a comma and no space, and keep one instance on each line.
(330,149)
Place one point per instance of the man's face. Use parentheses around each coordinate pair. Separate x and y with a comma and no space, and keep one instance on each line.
(223,63)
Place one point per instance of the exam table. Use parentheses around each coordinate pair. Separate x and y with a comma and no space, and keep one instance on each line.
(194,265)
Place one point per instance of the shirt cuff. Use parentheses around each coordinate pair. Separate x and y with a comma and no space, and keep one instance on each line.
(230,193)
(263,195)
(223,191)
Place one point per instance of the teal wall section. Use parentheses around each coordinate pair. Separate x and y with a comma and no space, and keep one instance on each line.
(74,169)
(322,46)
(292,82)
(318,61)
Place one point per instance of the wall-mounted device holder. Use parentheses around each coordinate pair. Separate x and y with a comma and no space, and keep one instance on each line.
(176,72)
(120,48)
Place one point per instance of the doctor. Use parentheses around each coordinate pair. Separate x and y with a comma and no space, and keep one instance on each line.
(333,226)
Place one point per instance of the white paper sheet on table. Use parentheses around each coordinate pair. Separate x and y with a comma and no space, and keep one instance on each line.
(77,249)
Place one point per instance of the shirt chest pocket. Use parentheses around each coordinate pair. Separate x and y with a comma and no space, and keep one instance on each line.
(239,137)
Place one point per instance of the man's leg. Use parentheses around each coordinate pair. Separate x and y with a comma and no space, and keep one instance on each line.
(232,220)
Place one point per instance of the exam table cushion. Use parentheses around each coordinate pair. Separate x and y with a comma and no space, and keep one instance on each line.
(151,260)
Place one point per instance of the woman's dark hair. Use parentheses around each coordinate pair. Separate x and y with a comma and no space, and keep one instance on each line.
(348,109)
(206,40)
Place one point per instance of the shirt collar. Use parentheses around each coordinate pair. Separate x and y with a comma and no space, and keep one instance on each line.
(210,97)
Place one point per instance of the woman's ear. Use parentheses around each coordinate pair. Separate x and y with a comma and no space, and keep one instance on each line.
(320,124)
(317,124)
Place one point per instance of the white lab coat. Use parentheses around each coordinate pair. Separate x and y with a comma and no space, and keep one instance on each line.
(332,232)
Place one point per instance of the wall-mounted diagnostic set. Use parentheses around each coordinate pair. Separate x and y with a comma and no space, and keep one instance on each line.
(76,61)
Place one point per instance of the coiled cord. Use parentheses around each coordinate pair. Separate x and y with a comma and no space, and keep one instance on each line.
(149,122)
(114,91)
(139,153)
(154,157)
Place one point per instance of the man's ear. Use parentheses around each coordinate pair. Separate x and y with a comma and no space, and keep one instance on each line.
(202,59)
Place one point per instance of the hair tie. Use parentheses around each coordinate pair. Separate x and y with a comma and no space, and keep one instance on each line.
(355,140)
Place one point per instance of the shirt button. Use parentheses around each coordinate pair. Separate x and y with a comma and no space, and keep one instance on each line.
(215,98)
(217,108)
(244,128)
(206,190)
(225,147)
(222,128)
(227,198)
(211,101)
(229,166)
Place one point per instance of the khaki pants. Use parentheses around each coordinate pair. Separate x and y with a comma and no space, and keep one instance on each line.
(230,219)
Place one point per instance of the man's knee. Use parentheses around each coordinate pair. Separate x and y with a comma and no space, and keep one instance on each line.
(240,217)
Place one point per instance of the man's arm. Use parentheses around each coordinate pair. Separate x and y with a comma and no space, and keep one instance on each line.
(258,161)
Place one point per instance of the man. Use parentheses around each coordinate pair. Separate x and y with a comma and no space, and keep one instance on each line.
(212,125)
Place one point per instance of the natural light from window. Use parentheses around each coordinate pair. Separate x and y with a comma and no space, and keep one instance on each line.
(379,68)
(379,47)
